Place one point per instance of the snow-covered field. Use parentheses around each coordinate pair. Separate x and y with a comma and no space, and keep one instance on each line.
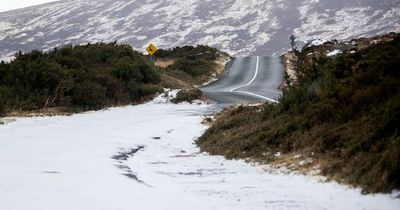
(144,157)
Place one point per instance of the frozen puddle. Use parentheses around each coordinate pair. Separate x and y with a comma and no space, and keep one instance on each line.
(143,157)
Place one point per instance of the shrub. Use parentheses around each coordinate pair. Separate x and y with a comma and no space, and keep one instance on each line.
(91,76)
(198,52)
(188,95)
(192,67)
(126,71)
(88,95)
(2,101)
(344,112)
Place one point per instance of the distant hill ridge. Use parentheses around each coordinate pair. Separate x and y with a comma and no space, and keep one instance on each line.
(237,27)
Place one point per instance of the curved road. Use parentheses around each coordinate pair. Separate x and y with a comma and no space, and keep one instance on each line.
(249,79)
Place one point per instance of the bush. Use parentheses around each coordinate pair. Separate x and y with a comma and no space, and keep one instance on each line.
(86,77)
(126,72)
(199,52)
(344,112)
(88,95)
(138,91)
(192,67)
(188,95)
(149,74)
(2,102)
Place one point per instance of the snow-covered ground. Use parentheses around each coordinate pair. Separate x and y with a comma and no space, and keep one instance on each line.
(334,53)
(144,157)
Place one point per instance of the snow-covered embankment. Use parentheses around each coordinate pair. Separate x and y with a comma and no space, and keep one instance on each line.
(144,157)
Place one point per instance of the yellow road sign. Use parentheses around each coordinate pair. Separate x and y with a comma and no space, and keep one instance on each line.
(151,49)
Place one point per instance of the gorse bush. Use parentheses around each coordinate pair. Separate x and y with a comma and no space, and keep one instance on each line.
(191,64)
(345,113)
(198,52)
(86,77)
(188,95)
(193,67)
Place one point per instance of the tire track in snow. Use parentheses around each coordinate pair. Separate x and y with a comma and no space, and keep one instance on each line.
(122,158)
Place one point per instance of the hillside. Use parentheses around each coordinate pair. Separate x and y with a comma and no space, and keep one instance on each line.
(255,27)
(95,76)
(340,119)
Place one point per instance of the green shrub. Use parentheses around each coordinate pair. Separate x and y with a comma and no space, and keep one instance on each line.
(2,101)
(88,95)
(150,75)
(192,67)
(345,111)
(126,71)
(198,52)
(85,77)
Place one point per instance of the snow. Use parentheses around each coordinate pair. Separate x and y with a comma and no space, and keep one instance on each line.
(166,97)
(334,53)
(345,23)
(317,42)
(11,5)
(4,25)
(144,157)
(7,58)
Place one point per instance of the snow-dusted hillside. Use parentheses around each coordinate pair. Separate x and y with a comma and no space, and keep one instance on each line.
(238,27)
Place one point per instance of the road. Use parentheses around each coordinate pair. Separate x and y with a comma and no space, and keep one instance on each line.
(248,79)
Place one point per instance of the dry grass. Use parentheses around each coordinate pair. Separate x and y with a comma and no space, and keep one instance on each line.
(53,111)
(290,62)
(168,81)
(220,65)
(164,62)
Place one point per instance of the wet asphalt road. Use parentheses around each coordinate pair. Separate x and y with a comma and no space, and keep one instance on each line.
(248,80)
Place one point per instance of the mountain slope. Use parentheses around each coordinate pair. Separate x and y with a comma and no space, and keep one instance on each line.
(238,27)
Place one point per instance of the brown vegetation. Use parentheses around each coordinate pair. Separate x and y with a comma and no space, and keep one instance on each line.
(164,62)
(341,121)
(188,95)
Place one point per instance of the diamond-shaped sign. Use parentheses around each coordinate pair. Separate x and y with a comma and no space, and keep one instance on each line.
(151,49)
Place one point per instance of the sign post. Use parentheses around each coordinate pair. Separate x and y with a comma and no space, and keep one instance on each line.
(151,49)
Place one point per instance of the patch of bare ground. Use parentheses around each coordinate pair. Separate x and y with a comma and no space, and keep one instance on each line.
(303,163)
(290,62)
(52,111)
(220,64)
(164,62)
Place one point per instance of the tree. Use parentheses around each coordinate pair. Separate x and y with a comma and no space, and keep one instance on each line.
(293,41)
